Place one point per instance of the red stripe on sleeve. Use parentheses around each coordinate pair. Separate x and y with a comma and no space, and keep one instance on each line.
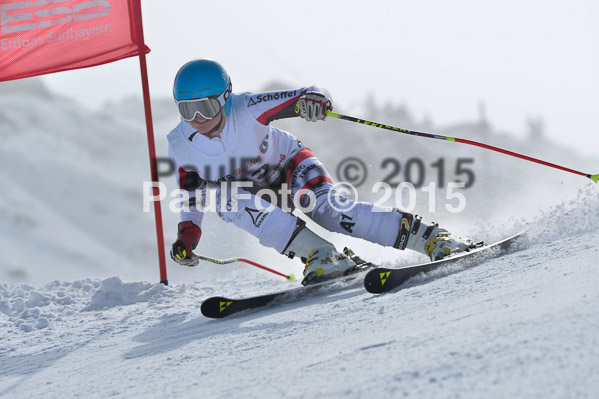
(296,160)
(263,119)
(314,181)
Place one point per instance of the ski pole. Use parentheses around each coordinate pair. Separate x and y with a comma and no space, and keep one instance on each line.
(290,277)
(594,178)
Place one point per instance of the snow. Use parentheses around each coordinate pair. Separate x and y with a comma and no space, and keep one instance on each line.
(82,314)
(522,325)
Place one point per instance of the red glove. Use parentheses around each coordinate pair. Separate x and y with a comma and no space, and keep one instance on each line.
(188,238)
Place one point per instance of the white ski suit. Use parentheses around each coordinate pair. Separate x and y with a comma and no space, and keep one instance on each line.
(252,150)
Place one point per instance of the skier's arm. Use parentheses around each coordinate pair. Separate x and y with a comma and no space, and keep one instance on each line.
(189,231)
(270,106)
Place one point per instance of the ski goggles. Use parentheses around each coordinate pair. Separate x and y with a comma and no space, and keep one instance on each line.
(207,107)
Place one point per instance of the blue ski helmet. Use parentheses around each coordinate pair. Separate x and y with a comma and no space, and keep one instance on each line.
(204,87)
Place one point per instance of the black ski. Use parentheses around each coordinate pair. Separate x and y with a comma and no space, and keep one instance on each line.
(217,307)
(377,280)
(383,279)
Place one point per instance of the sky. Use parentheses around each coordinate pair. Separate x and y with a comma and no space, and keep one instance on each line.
(522,59)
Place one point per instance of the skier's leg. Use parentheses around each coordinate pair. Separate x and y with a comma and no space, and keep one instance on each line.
(271,225)
(280,230)
(334,211)
(385,226)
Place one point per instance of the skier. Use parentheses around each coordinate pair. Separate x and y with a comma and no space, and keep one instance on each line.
(225,137)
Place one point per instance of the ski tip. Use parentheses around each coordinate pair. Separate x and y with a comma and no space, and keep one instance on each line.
(595,178)
(375,279)
(291,277)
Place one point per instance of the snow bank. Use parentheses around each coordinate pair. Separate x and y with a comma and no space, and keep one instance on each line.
(571,218)
(28,308)
(114,292)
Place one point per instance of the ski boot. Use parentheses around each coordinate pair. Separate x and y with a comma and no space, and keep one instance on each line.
(321,259)
(360,263)
(432,240)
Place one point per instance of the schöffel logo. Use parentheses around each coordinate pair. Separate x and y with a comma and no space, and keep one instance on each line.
(279,95)
(26,12)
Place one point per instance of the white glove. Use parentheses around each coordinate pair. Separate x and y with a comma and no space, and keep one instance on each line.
(313,106)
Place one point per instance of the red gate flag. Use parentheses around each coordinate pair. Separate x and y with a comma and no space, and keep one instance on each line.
(45,36)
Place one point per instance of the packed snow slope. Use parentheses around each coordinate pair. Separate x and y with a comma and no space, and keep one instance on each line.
(523,325)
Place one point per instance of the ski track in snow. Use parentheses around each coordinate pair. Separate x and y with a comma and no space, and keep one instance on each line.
(522,325)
